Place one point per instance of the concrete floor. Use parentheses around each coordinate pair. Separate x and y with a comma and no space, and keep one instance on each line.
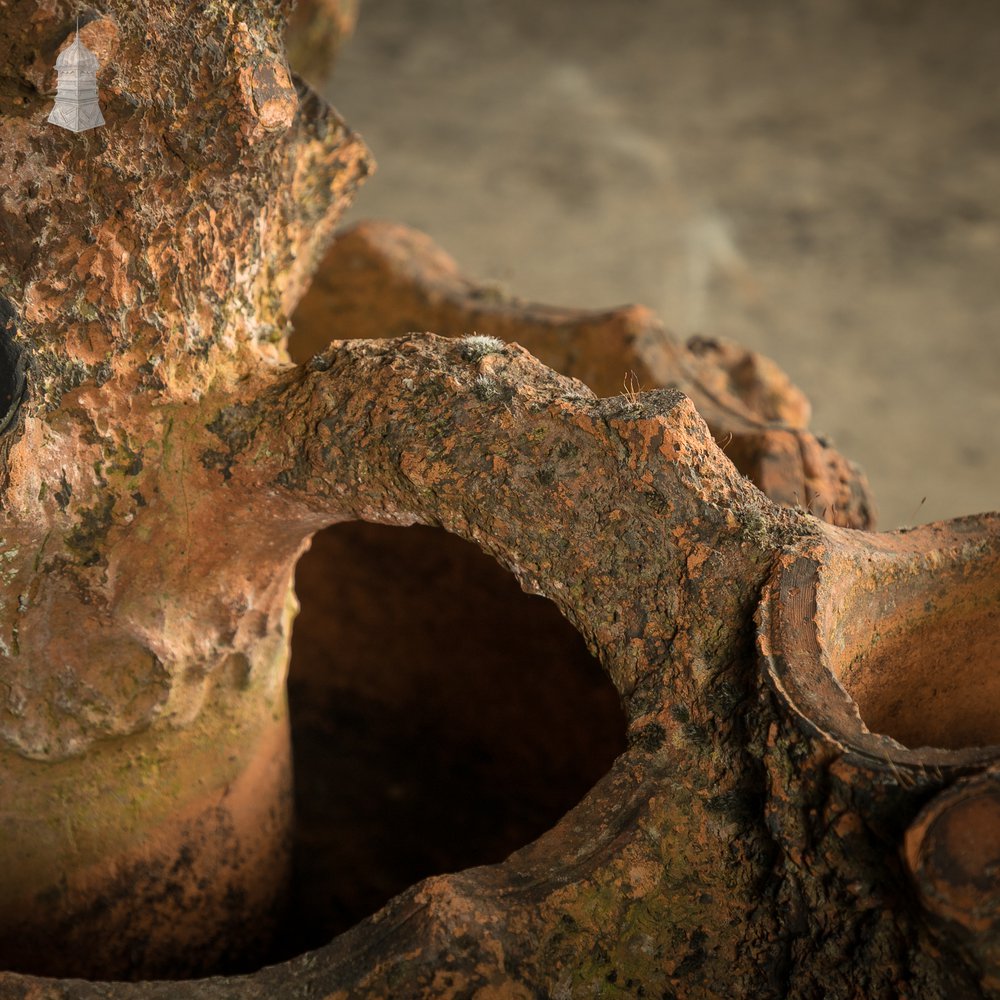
(817,179)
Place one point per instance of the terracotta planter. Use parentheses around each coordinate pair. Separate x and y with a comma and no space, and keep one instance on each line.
(382,280)
(753,831)
(164,464)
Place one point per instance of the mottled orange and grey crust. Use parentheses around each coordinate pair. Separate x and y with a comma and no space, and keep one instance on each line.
(788,819)
(184,231)
(380,279)
(154,264)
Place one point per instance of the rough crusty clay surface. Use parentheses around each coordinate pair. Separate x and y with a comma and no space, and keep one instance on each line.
(383,280)
(147,268)
(787,819)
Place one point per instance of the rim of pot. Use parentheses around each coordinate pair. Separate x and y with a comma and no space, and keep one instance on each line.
(883,645)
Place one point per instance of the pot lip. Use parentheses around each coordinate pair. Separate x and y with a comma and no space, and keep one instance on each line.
(792,655)
(562,852)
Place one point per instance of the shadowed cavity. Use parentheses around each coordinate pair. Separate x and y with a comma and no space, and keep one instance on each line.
(441,718)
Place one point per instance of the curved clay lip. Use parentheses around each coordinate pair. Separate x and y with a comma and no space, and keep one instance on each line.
(885,646)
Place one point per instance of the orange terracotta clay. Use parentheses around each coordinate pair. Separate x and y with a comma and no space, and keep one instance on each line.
(804,801)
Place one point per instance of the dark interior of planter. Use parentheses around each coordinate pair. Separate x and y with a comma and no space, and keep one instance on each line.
(441,718)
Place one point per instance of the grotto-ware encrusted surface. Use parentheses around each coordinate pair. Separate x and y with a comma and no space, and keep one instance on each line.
(381,279)
(730,851)
(162,466)
(145,269)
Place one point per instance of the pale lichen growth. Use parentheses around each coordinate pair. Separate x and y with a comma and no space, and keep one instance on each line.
(487,389)
(476,346)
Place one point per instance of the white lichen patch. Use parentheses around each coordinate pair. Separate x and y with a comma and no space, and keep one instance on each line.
(476,346)
(487,389)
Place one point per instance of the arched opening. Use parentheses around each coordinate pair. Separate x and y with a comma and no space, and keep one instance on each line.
(441,718)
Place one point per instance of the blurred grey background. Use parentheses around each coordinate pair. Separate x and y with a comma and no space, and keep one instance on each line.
(818,180)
